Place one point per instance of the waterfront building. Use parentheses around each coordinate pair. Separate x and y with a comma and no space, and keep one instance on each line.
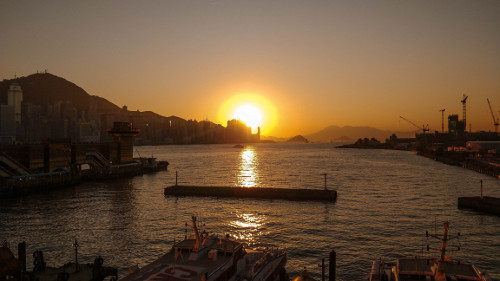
(15,99)
(483,146)
(456,127)
(238,132)
(123,134)
(7,124)
(10,114)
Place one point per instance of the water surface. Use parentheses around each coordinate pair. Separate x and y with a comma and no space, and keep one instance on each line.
(386,201)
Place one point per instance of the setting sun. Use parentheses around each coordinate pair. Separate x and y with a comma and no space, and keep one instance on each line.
(254,110)
(249,114)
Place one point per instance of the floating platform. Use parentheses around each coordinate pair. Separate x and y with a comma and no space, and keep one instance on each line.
(253,192)
(486,204)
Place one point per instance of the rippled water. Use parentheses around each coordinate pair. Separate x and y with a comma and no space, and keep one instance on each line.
(386,201)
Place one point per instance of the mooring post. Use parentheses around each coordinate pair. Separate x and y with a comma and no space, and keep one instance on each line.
(75,245)
(21,254)
(481,181)
(323,269)
(332,266)
(325,180)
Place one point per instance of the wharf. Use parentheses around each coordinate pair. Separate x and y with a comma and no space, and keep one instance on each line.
(253,192)
(486,204)
(490,167)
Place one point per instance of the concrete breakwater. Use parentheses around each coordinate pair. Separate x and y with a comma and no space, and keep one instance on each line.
(486,204)
(253,192)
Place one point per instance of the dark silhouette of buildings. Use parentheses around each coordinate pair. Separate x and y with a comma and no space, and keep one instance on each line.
(239,132)
(43,106)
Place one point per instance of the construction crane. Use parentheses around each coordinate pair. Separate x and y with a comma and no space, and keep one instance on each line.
(464,101)
(424,128)
(442,120)
(495,122)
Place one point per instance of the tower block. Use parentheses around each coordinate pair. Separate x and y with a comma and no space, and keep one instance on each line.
(123,134)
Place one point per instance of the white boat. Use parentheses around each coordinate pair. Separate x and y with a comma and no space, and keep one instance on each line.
(212,258)
(427,268)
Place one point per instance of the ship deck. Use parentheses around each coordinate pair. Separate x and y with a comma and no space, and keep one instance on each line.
(183,263)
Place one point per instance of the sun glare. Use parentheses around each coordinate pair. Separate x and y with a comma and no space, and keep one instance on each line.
(249,114)
(254,110)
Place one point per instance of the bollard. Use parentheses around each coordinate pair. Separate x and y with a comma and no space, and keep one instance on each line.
(75,245)
(481,181)
(21,254)
(323,269)
(332,266)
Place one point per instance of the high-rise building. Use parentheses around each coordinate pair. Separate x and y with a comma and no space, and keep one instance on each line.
(15,99)
(7,124)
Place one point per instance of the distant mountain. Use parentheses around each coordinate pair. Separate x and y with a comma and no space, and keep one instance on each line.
(54,108)
(351,134)
(271,139)
(298,138)
(43,88)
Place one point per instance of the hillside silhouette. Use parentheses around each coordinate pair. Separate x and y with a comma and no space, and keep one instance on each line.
(43,88)
(58,108)
(298,138)
(55,108)
(350,134)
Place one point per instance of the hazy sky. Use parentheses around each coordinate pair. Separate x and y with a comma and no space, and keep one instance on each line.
(316,63)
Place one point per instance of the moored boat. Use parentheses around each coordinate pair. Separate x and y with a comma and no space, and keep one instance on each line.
(427,268)
(211,258)
(14,269)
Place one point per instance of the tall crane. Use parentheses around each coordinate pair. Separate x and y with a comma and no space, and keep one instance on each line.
(442,120)
(424,128)
(464,101)
(495,122)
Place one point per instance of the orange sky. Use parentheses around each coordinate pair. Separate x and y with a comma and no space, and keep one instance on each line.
(318,63)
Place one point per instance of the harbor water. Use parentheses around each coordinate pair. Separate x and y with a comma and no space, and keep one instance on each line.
(386,201)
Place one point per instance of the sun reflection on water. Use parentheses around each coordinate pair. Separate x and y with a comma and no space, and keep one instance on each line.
(247,227)
(248,175)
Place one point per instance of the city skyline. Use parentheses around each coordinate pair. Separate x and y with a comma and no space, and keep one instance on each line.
(307,65)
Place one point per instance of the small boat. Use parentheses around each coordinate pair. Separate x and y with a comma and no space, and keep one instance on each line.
(212,258)
(427,268)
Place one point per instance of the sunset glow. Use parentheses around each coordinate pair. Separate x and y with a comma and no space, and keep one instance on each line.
(254,110)
(249,114)
(312,64)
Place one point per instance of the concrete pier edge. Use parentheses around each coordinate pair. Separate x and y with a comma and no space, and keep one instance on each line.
(486,204)
(252,192)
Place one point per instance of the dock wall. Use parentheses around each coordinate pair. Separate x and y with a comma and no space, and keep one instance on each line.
(31,184)
(253,192)
(483,167)
(486,204)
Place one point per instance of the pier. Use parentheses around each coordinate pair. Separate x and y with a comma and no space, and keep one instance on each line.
(481,203)
(58,163)
(253,192)
(490,168)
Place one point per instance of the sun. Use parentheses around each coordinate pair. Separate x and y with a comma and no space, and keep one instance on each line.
(252,109)
(249,114)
